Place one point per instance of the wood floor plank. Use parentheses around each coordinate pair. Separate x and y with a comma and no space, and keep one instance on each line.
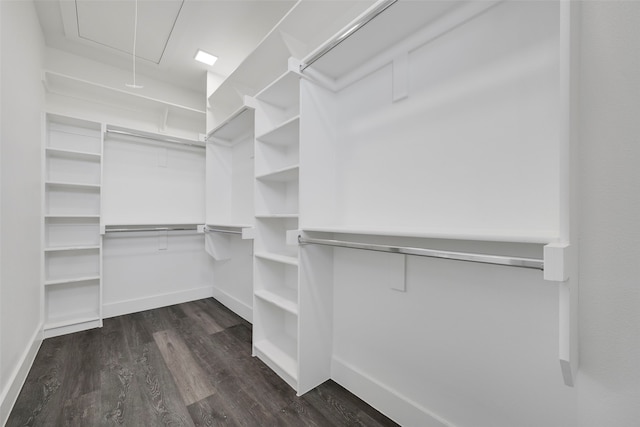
(119,396)
(241,336)
(301,413)
(84,362)
(159,392)
(134,330)
(343,408)
(230,406)
(164,367)
(114,344)
(220,314)
(250,374)
(201,317)
(39,398)
(83,411)
(210,412)
(188,375)
(162,319)
(80,375)
(80,390)
(236,375)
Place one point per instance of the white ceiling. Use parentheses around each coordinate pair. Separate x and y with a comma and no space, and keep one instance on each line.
(169,32)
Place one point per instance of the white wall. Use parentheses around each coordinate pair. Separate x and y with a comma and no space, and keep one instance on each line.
(474,345)
(20,286)
(147,270)
(147,182)
(608,384)
(477,345)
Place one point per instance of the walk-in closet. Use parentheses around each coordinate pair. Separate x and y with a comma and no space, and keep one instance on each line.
(367,212)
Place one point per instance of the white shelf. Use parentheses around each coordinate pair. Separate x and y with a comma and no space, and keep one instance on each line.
(239,227)
(283,92)
(282,297)
(289,173)
(64,232)
(66,280)
(517,236)
(275,216)
(72,185)
(72,216)
(70,86)
(238,126)
(67,135)
(71,248)
(73,154)
(286,134)
(283,259)
(281,350)
(62,322)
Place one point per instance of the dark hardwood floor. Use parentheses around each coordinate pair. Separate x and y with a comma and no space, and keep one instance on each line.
(185,365)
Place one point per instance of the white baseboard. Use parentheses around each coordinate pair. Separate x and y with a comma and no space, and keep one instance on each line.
(10,393)
(147,303)
(234,304)
(382,397)
(70,329)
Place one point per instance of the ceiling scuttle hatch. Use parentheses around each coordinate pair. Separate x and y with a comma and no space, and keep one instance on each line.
(93,22)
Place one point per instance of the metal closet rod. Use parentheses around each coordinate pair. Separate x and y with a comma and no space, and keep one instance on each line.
(139,229)
(154,138)
(533,263)
(228,120)
(347,33)
(220,230)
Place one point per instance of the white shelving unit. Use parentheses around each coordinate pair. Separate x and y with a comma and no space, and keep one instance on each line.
(412,130)
(229,209)
(230,171)
(71,242)
(276,313)
(305,26)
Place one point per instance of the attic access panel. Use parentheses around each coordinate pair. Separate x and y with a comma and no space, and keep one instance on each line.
(111,24)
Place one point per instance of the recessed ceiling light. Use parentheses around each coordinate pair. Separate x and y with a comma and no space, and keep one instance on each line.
(205,58)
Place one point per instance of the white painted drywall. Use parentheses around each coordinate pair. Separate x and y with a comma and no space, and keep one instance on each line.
(22,100)
(476,346)
(141,271)
(608,384)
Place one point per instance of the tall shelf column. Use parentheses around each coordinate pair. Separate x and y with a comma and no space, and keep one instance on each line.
(71,242)
(292,309)
(275,332)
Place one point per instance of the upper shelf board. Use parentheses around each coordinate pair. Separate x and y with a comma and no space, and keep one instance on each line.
(396,23)
(283,93)
(166,111)
(285,135)
(151,137)
(73,154)
(238,125)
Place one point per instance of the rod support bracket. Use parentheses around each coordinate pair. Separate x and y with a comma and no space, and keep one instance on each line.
(556,262)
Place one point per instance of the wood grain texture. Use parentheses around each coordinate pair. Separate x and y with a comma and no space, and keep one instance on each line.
(184,365)
(206,322)
(160,396)
(188,375)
